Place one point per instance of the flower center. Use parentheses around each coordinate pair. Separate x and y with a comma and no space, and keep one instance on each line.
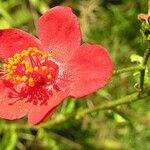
(31,67)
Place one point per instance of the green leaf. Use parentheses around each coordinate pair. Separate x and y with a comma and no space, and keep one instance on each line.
(119,118)
(136,58)
(12,141)
(47,141)
(4,24)
(22,16)
(9,140)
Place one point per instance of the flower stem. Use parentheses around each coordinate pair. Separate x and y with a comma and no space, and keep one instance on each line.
(128,69)
(80,114)
(145,59)
(109,105)
(148,7)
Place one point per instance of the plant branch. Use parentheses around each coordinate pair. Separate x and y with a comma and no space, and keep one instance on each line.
(128,69)
(109,105)
(80,114)
(65,140)
(149,7)
(145,59)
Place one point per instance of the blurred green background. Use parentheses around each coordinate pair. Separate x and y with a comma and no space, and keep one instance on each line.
(114,24)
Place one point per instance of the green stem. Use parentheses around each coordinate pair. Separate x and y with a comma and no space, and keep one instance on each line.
(128,69)
(80,114)
(148,7)
(109,105)
(145,59)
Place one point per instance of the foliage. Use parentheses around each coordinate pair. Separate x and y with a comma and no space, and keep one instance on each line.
(113,23)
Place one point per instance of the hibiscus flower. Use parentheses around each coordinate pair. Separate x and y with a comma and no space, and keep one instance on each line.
(38,73)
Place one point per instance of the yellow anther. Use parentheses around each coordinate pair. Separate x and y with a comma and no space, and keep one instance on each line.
(49,76)
(22,54)
(24,78)
(43,68)
(11,62)
(14,67)
(5,66)
(27,65)
(36,68)
(7,77)
(26,62)
(49,55)
(17,55)
(26,53)
(31,82)
(23,58)
(44,56)
(17,58)
(30,49)
(34,48)
(23,62)
(11,72)
(32,54)
(23,51)
(16,61)
(9,66)
(28,70)
(8,70)
(18,78)
(10,59)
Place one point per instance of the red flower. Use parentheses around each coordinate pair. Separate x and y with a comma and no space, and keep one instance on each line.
(38,74)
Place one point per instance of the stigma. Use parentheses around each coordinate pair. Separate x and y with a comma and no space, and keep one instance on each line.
(31,67)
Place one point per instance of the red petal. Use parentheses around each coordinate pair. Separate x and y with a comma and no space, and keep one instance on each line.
(11,111)
(15,40)
(89,69)
(39,112)
(59,32)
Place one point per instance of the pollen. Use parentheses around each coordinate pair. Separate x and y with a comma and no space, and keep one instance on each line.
(43,68)
(17,78)
(36,68)
(31,82)
(11,62)
(24,78)
(49,76)
(26,67)
(5,66)
(7,77)
(14,67)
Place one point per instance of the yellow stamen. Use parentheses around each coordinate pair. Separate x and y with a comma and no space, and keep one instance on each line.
(49,76)
(7,77)
(12,66)
(5,66)
(9,66)
(31,82)
(43,68)
(24,78)
(17,78)
(36,68)
(44,56)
